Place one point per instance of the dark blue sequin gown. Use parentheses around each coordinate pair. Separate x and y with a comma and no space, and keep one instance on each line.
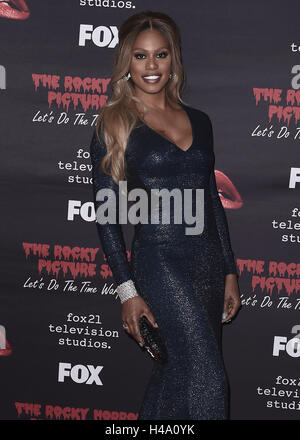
(181,277)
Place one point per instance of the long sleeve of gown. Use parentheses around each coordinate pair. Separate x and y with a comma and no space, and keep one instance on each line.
(111,235)
(220,216)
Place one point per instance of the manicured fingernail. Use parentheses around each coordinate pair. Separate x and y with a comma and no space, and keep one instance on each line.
(156,325)
(224,315)
(140,344)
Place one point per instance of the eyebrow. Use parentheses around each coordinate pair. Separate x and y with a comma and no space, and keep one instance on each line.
(145,50)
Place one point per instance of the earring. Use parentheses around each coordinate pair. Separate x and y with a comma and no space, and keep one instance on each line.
(128,76)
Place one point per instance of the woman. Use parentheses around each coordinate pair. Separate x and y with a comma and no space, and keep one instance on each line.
(149,138)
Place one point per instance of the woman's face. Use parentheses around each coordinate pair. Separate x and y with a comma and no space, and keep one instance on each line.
(150,57)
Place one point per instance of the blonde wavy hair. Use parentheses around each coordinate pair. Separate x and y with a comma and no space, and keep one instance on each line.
(119,115)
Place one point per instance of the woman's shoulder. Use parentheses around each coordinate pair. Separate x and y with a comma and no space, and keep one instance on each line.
(199,114)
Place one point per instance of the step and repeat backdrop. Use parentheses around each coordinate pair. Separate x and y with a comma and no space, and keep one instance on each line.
(64,353)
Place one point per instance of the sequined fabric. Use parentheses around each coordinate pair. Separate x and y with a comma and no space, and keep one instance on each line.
(181,277)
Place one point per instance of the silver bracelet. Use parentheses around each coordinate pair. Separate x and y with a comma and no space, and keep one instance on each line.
(126,290)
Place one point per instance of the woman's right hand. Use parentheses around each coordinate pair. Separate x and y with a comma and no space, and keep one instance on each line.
(132,310)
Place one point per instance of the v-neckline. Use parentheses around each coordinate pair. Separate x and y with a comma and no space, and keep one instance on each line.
(185,109)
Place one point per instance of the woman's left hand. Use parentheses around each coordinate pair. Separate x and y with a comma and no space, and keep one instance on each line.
(232,301)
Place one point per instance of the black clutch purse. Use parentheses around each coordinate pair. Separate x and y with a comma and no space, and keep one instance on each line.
(154,343)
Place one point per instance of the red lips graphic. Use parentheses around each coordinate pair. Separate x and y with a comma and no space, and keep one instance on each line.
(15,9)
(7,350)
(224,185)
